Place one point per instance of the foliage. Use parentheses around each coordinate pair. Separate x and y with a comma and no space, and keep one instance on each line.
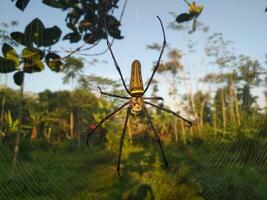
(89,20)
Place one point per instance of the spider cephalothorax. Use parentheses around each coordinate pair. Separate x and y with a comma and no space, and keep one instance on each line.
(136,101)
(137,105)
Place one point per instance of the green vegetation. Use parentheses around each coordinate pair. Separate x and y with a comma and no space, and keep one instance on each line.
(53,165)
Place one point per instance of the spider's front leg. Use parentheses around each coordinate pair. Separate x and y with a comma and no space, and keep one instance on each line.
(116,64)
(157,137)
(158,62)
(112,95)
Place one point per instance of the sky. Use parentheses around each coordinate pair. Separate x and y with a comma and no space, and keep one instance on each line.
(242,21)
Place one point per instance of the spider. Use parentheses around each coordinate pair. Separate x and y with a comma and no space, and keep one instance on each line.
(136,101)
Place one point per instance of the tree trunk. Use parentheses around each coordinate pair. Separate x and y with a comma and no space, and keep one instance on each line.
(237,114)
(17,141)
(201,113)
(175,130)
(34,133)
(231,104)
(223,110)
(71,124)
(47,134)
(214,120)
(183,132)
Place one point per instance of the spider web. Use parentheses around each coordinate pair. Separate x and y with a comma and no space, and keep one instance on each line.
(35,177)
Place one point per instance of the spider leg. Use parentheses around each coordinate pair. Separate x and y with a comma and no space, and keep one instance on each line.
(154,98)
(104,119)
(112,95)
(170,111)
(115,63)
(158,62)
(157,137)
(122,140)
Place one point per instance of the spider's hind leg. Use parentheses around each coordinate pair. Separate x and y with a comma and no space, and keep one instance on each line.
(157,137)
(122,140)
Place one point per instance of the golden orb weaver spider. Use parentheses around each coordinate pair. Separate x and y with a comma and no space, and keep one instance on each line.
(136,101)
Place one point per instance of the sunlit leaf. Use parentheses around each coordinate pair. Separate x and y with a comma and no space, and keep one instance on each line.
(22,4)
(89,38)
(73,37)
(183,17)
(7,65)
(53,62)
(10,53)
(32,60)
(18,78)
(84,25)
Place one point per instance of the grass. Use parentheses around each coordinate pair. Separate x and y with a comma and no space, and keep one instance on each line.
(202,170)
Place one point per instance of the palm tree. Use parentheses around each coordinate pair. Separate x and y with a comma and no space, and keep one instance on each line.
(72,69)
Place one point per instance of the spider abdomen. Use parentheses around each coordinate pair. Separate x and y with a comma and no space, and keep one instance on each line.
(136,83)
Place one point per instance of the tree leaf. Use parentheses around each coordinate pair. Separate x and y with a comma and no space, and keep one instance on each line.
(57,4)
(7,66)
(112,21)
(73,37)
(51,36)
(10,53)
(184,17)
(22,4)
(34,33)
(89,38)
(53,62)
(32,60)
(84,25)
(115,32)
(19,38)
(18,77)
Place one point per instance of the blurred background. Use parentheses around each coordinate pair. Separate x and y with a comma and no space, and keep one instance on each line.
(212,72)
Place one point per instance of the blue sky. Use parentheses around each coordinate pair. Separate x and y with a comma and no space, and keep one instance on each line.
(241,21)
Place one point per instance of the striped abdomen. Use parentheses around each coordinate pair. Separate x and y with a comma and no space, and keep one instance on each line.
(136,84)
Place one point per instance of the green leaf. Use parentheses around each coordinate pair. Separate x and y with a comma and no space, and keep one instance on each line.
(19,38)
(22,4)
(10,53)
(53,62)
(7,66)
(73,37)
(9,118)
(2,133)
(32,60)
(184,17)
(51,36)
(18,78)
